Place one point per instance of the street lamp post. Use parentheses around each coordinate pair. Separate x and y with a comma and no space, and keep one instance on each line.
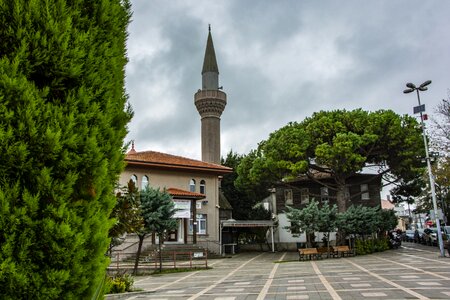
(420,108)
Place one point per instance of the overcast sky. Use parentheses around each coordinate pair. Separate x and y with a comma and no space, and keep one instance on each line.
(279,61)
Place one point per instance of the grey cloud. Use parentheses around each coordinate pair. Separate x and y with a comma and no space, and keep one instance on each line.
(376,46)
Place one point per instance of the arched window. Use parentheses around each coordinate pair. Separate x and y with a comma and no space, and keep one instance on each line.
(134,179)
(192,185)
(144,183)
(202,187)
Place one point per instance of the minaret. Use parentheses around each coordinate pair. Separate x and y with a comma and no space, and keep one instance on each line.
(210,103)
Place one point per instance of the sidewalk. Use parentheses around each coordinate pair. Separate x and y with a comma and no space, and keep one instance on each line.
(412,272)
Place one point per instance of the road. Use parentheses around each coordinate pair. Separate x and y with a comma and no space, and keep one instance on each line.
(411,272)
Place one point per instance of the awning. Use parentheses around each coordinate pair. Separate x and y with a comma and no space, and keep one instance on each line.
(246,223)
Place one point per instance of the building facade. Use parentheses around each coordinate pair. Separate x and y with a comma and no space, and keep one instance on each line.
(362,189)
(194,186)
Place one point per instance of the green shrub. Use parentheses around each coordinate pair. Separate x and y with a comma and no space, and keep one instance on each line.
(359,247)
(381,245)
(363,247)
(119,284)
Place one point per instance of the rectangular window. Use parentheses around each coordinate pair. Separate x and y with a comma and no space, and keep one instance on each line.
(198,204)
(288,197)
(202,187)
(324,194)
(201,224)
(304,196)
(365,192)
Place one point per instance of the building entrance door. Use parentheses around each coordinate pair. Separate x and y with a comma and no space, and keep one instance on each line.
(173,236)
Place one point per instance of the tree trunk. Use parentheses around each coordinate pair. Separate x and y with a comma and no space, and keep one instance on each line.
(160,237)
(310,238)
(328,243)
(342,198)
(138,254)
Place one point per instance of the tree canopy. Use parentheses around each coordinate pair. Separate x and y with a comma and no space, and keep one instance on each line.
(440,144)
(312,218)
(63,118)
(157,209)
(126,213)
(243,196)
(358,220)
(341,143)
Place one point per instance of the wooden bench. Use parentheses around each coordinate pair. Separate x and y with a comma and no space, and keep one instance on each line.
(309,253)
(343,251)
(328,251)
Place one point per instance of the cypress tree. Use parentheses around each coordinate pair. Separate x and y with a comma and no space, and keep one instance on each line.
(63,117)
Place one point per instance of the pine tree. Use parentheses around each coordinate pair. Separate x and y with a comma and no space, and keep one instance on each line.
(126,213)
(63,119)
(157,210)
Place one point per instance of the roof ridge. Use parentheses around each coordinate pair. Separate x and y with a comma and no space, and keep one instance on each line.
(167,159)
(179,156)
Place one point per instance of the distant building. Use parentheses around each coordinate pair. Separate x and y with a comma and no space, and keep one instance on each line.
(363,189)
(407,218)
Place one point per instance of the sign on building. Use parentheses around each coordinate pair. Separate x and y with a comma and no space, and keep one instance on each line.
(183,208)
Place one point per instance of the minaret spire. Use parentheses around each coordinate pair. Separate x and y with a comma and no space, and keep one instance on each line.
(210,103)
(210,70)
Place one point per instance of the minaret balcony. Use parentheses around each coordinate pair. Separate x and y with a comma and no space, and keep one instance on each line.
(210,103)
(214,94)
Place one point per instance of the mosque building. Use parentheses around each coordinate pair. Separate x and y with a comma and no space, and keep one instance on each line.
(193,184)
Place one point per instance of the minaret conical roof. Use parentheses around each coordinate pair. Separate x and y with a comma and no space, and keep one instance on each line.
(210,62)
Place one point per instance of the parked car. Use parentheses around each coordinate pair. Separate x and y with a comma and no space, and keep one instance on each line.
(409,236)
(418,236)
(446,230)
(432,238)
(429,236)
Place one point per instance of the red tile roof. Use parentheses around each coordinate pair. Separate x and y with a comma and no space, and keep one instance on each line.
(182,193)
(168,161)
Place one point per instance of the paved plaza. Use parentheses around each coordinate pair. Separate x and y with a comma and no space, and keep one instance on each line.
(412,272)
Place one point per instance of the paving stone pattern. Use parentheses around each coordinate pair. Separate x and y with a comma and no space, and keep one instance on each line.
(411,272)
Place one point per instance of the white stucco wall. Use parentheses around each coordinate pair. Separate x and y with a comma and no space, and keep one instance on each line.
(284,236)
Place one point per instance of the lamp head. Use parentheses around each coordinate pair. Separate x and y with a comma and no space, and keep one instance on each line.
(422,88)
(407,91)
(411,85)
(425,83)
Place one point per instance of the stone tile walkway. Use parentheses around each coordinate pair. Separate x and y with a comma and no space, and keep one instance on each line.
(411,272)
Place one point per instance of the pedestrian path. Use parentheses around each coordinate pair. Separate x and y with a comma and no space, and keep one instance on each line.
(412,272)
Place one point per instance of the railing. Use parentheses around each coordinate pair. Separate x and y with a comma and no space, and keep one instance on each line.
(169,260)
(208,242)
(210,94)
(117,255)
